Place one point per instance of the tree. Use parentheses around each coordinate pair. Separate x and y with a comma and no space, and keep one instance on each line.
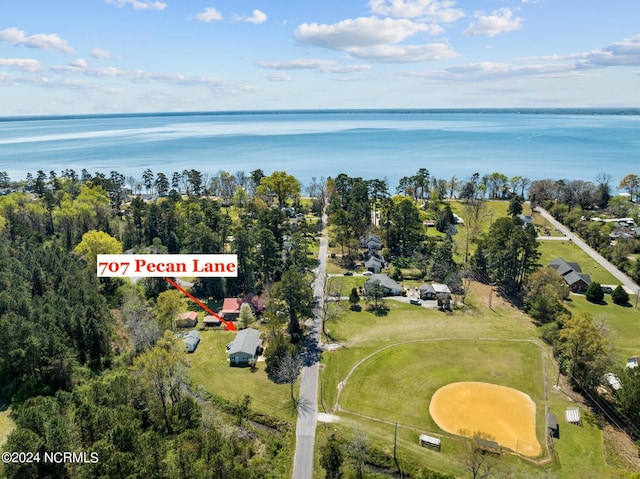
(168,305)
(357,450)
(147,179)
(594,293)
(374,296)
(246,318)
(631,184)
(294,290)
(480,463)
(619,295)
(587,349)
(441,263)
(331,458)
(162,184)
(354,298)
(544,292)
(160,374)
(288,372)
(138,317)
(279,347)
(97,242)
(512,252)
(282,186)
(515,206)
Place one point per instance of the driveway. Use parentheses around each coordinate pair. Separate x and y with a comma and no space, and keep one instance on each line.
(627,283)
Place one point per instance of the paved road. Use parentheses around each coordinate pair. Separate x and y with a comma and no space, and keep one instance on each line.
(629,285)
(308,407)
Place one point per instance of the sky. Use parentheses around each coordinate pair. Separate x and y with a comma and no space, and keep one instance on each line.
(129,56)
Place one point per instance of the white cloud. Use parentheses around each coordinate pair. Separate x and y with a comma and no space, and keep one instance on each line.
(139,4)
(404,53)
(280,76)
(257,17)
(624,53)
(210,14)
(358,33)
(428,10)
(375,39)
(24,64)
(101,53)
(325,66)
(40,41)
(500,21)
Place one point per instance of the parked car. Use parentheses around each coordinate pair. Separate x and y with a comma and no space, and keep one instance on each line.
(367,273)
(415,301)
(348,273)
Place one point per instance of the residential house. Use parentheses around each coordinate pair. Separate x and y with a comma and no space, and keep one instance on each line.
(390,287)
(187,320)
(191,340)
(374,262)
(245,346)
(427,292)
(442,291)
(231,308)
(577,281)
(371,242)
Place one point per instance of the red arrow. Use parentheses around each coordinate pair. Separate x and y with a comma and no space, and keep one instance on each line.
(229,326)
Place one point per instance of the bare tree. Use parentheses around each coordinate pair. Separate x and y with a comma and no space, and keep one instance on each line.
(357,450)
(288,372)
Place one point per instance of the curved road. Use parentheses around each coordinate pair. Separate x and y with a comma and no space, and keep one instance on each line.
(308,398)
(627,283)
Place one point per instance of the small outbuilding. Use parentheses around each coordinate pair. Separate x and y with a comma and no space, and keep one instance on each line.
(191,340)
(187,320)
(428,441)
(552,425)
(211,321)
(427,292)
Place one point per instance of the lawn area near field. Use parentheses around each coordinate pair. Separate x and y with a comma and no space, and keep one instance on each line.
(6,425)
(550,250)
(209,368)
(342,285)
(622,324)
(413,351)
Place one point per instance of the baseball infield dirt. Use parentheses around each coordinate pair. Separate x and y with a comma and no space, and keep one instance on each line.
(503,414)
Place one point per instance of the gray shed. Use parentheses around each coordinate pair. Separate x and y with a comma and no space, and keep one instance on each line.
(191,340)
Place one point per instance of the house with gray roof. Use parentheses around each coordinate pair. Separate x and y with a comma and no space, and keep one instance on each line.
(390,287)
(572,274)
(245,346)
(191,340)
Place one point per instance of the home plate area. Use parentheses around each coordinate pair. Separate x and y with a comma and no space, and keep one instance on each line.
(504,414)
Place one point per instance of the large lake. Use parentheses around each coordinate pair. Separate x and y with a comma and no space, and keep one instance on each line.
(556,144)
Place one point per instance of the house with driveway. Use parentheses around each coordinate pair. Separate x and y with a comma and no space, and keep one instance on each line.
(572,274)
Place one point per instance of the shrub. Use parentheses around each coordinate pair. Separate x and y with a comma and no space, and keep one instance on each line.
(595,293)
(620,296)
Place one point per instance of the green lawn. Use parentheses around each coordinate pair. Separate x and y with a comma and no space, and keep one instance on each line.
(210,369)
(426,349)
(342,285)
(622,324)
(6,425)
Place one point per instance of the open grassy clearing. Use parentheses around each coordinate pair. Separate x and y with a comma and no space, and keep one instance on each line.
(6,424)
(380,386)
(392,385)
(342,285)
(210,369)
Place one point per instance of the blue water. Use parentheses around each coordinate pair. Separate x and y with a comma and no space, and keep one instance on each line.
(556,144)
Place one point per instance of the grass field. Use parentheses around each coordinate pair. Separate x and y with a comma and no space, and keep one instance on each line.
(6,425)
(622,324)
(410,353)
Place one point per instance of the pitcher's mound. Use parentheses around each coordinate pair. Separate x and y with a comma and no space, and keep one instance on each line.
(505,414)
